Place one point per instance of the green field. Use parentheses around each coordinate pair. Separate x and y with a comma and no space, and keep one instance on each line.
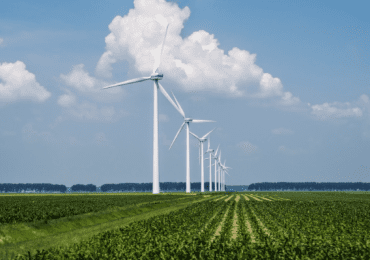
(242,225)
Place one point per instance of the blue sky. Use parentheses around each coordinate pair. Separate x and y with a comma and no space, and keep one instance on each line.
(286,81)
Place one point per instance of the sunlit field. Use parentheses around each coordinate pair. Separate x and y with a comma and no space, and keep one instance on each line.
(226,225)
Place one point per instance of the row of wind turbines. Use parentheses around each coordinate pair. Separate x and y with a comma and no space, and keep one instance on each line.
(222,168)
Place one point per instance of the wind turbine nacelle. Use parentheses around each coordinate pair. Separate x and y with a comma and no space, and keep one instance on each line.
(188,119)
(155,76)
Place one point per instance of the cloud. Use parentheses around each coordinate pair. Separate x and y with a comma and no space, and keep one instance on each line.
(334,110)
(80,80)
(67,100)
(17,83)
(194,63)
(282,131)
(247,147)
(163,118)
(288,99)
(365,99)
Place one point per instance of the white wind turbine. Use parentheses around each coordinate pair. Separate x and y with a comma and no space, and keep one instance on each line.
(201,141)
(224,170)
(186,121)
(155,76)
(218,160)
(215,164)
(218,171)
(212,155)
(210,151)
(221,170)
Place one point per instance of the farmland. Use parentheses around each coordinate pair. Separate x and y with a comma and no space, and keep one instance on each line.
(248,225)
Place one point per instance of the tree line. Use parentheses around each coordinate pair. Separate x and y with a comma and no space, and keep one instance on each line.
(309,186)
(137,187)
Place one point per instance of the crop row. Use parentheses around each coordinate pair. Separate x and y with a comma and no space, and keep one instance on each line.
(317,230)
(276,229)
(176,234)
(20,209)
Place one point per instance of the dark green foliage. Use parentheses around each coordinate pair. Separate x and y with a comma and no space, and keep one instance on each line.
(299,230)
(19,209)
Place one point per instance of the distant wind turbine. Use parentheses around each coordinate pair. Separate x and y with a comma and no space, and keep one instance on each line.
(219,172)
(155,76)
(201,141)
(186,121)
(210,151)
(216,157)
(224,170)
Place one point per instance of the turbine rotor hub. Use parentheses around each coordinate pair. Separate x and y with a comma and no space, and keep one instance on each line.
(156,76)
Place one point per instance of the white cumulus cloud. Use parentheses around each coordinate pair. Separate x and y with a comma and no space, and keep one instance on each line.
(79,79)
(335,110)
(194,63)
(288,99)
(17,83)
(67,100)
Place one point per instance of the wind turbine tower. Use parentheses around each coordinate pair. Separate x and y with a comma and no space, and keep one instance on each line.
(186,122)
(210,151)
(201,141)
(155,76)
(216,157)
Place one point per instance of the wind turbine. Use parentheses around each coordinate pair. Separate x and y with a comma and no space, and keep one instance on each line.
(201,141)
(224,170)
(210,151)
(216,157)
(155,76)
(186,121)
(219,172)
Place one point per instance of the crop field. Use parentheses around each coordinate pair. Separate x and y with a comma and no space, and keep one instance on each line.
(245,225)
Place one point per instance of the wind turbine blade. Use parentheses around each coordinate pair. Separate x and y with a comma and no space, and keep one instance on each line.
(227,173)
(202,121)
(209,143)
(217,150)
(182,126)
(205,136)
(195,135)
(168,97)
(128,82)
(160,55)
(178,104)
